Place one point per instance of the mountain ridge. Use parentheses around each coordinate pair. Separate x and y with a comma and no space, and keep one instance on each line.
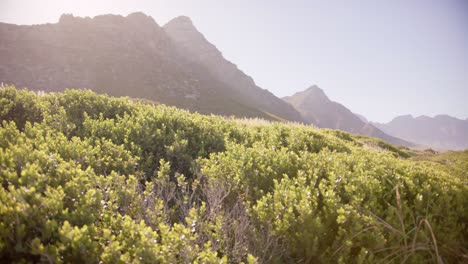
(441,132)
(197,48)
(121,56)
(172,64)
(316,108)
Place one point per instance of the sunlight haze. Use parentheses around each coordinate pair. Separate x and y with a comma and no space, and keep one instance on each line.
(381,59)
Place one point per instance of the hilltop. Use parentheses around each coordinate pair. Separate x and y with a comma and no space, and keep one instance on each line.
(88,178)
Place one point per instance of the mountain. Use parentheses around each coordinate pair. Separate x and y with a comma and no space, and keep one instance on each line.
(441,132)
(125,56)
(363,118)
(316,108)
(196,48)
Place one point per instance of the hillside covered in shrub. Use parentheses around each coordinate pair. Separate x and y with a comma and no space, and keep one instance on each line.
(89,178)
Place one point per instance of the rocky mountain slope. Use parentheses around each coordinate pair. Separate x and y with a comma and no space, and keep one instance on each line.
(131,56)
(441,132)
(199,50)
(316,108)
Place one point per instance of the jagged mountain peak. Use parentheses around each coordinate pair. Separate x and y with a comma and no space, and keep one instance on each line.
(139,15)
(313,93)
(316,108)
(181,21)
(314,88)
(133,56)
(184,24)
(184,33)
(316,91)
(195,46)
(138,18)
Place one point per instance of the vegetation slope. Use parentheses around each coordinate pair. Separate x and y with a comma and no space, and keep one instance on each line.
(96,179)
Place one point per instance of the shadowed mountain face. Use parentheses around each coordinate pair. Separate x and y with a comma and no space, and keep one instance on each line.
(195,47)
(441,132)
(316,108)
(123,56)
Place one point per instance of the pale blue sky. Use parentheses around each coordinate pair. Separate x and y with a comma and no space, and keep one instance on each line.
(378,58)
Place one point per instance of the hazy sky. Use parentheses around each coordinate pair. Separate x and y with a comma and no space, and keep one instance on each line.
(378,58)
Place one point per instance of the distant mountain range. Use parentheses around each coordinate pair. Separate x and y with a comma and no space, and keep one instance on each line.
(176,65)
(441,132)
(133,56)
(316,108)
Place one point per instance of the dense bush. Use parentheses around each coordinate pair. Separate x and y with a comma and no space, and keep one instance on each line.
(90,178)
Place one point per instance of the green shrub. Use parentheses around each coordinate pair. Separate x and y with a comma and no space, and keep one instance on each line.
(90,178)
